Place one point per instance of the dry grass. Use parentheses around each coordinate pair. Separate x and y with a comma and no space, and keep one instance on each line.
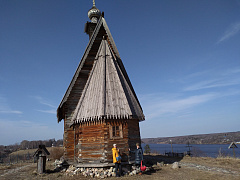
(159,173)
(228,163)
(23,152)
(4,167)
(55,152)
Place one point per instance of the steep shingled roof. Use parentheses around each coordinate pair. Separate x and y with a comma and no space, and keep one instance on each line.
(85,71)
(106,94)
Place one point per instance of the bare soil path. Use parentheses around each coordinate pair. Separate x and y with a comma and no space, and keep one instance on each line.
(209,169)
(15,170)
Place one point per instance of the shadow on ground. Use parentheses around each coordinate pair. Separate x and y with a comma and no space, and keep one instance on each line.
(150,160)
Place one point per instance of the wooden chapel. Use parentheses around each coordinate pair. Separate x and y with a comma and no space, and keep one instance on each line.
(100,107)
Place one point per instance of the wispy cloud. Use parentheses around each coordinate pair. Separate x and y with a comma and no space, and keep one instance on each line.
(47,103)
(212,83)
(53,111)
(10,112)
(230,32)
(232,71)
(213,79)
(43,101)
(179,105)
(159,104)
(5,108)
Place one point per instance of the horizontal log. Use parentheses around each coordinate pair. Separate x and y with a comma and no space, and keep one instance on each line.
(86,148)
(92,156)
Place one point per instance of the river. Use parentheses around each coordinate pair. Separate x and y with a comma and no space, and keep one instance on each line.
(200,150)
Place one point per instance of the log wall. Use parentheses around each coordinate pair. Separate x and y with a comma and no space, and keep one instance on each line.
(122,142)
(68,142)
(93,142)
(133,133)
(90,142)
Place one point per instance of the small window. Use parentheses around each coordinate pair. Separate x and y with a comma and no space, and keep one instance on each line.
(116,131)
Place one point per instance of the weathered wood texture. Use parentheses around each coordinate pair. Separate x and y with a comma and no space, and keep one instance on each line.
(133,136)
(41,164)
(106,93)
(133,133)
(122,143)
(68,141)
(89,140)
(93,143)
(81,75)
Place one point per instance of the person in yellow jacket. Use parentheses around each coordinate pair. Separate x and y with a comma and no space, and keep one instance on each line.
(118,165)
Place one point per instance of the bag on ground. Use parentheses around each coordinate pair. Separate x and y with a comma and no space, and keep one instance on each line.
(142,168)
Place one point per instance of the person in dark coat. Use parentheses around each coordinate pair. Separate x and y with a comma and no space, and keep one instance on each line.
(138,155)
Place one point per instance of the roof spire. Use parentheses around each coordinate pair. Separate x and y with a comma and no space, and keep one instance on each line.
(94,13)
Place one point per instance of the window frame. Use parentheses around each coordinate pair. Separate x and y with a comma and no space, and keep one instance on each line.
(112,130)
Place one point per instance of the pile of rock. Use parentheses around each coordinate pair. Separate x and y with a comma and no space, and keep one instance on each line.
(90,172)
(175,165)
(135,171)
(100,172)
(60,165)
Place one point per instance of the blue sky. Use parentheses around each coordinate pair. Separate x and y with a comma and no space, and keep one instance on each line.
(182,57)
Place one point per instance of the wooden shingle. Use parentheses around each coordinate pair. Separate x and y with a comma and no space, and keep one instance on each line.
(107,94)
(85,66)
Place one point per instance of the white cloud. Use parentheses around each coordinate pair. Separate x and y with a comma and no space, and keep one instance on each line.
(43,101)
(230,32)
(5,109)
(10,112)
(214,78)
(232,71)
(47,103)
(159,104)
(53,111)
(179,105)
(212,83)
(221,83)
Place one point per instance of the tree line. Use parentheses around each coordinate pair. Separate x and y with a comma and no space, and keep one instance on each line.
(25,144)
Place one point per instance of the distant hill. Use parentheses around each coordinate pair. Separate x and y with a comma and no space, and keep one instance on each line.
(216,138)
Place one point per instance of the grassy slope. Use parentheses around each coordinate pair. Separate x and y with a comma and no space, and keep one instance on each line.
(55,152)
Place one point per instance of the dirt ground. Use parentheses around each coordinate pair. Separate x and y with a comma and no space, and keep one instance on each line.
(191,168)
